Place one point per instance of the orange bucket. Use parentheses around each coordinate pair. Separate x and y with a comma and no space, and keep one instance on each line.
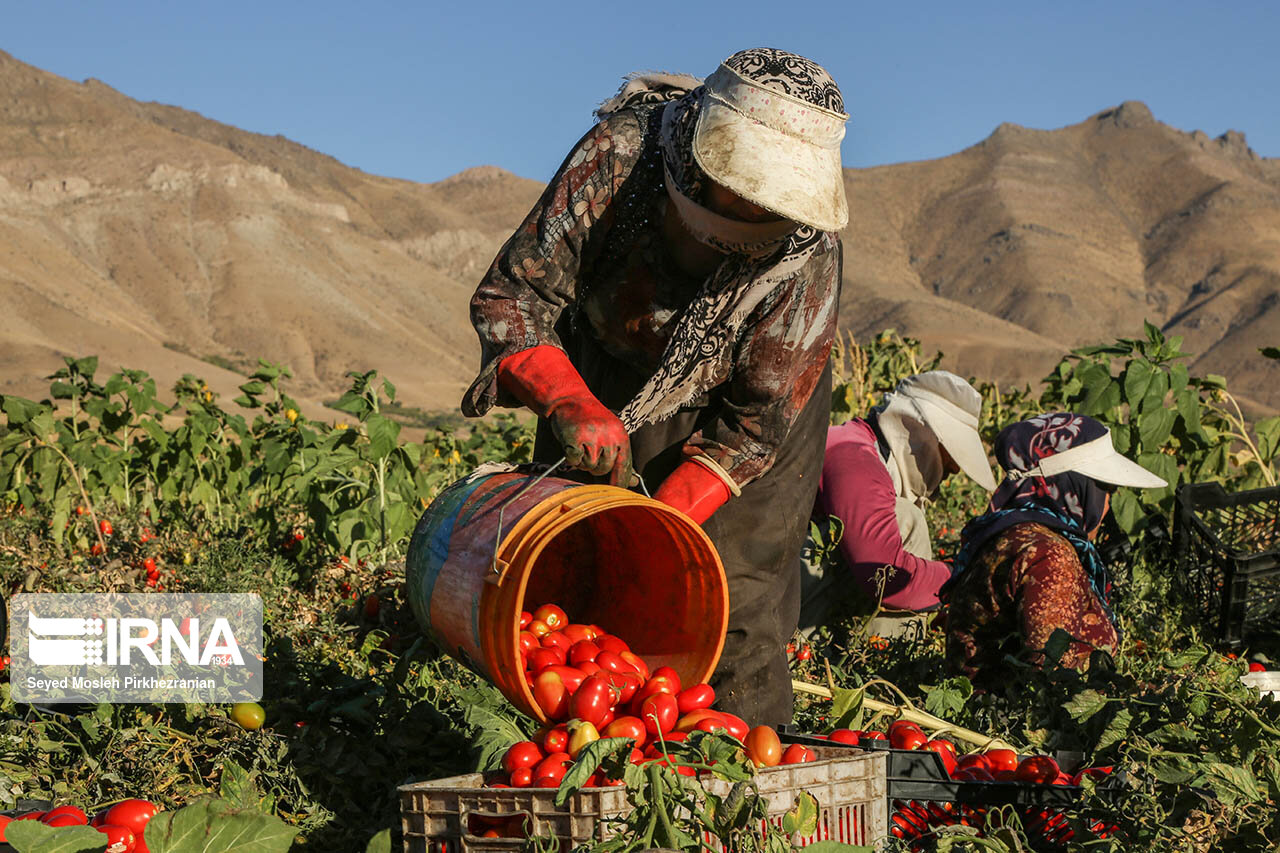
(494,545)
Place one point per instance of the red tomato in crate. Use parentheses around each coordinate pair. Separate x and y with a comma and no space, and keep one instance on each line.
(696,697)
(973,759)
(120,839)
(946,751)
(522,777)
(552,616)
(972,774)
(848,736)
(871,736)
(552,767)
(659,713)
(75,812)
(577,633)
(798,754)
(556,739)
(907,738)
(670,675)
(1257,667)
(1040,769)
(526,753)
(592,700)
(763,747)
(632,727)
(1001,759)
(133,814)
(737,726)
(690,721)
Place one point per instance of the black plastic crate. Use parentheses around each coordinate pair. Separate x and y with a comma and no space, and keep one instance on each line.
(1228,557)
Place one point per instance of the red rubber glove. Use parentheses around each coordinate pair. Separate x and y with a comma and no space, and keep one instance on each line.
(592,436)
(695,490)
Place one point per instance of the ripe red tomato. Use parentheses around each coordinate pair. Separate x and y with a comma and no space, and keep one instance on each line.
(848,736)
(552,767)
(133,814)
(805,653)
(695,697)
(763,747)
(526,753)
(737,726)
(528,642)
(640,666)
(556,640)
(550,695)
(946,751)
(972,774)
(105,527)
(555,739)
(1257,667)
(907,737)
(611,662)
(589,667)
(552,616)
(973,759)
(632,727)
(525,618)
(592,700)
(74,811)
(538,628)
(577,633)
(150,565)
(1001,759)
(798,754)
(1098,773)
(690,721)
(652,686)
(120,839)
(871,736)
(540,659)
(671,675)
(61,820)
(583,651)
(571,676)
(659,712)
(610,643)
(1037,768)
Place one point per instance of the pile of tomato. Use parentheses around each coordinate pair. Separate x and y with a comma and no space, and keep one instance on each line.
(590,685)
(123,823)
(913,820)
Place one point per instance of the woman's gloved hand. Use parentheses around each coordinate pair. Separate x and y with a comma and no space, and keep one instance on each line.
(695,490)
(593,438)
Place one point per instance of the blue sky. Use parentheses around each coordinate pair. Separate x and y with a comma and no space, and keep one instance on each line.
(424,90)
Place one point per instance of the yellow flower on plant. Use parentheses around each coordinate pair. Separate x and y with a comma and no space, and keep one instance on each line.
(340,425)
(456,456)
(291,414)
(208,396)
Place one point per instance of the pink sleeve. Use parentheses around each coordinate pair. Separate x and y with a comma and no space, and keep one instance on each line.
(857,489)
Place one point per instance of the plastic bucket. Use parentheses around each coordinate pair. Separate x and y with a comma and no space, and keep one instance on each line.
(609,557)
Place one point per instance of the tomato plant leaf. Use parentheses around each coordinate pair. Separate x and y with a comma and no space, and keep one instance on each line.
(802,819)
(1116,729)
(236,787)
(31,836)
(587,762)
(212,825)
(1085,704)
(948,697)
(846,708)
(1057,644)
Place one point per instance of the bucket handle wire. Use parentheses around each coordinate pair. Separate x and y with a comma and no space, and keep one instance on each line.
(495,564)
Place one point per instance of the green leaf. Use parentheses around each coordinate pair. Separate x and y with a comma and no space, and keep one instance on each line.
(1137,379)
(846,708)
(30,836)
(1116,729)
(213,826)
(802,819)
(353,404)
(20,410)
(1085,704)
(382,435)
(493,731)
(1127,510)
(236,787)
(1101,399)
(836,847)
(587,762)
(62,390)
(1057,644)
(1268,432)
(275,455)
(948,697)
(380,843)
(1154,427)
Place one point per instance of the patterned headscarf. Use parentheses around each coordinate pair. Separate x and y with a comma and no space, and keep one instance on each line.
(1070,503)
(699,354)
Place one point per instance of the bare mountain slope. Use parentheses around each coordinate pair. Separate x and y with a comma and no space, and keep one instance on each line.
(127,226)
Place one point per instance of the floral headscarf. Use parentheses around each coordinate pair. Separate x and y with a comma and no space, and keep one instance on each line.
(1071,503)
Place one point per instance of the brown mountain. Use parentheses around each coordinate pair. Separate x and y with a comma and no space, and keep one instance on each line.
(159,239)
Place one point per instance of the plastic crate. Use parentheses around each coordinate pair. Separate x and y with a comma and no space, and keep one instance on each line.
(1228,557)
(922,796)
(435,816)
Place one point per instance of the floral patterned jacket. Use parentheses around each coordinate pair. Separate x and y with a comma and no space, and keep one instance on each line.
(589,259)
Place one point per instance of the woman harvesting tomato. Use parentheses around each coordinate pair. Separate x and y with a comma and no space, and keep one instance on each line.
(1029,566)
(668,307)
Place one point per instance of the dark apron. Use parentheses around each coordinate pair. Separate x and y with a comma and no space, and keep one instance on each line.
(759,534)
